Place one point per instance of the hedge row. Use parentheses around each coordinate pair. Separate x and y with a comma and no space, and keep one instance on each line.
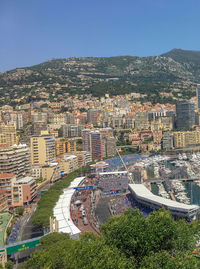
(49,199)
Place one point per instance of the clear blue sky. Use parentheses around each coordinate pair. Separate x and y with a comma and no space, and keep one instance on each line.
(33,31)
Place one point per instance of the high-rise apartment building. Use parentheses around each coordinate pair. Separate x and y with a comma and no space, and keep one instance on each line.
(8,135)
(72,130)
(43,149)
(39,117)
(17,120)
(70,145)
(185,139)
(109,146)
(15,160)
(92,142)
(70,118)
(86,140)
(84,158)
(96,145)
(60,146)
(100,143)
(108,142)
(185,116)
(6,182)
(92,116)
(142,121)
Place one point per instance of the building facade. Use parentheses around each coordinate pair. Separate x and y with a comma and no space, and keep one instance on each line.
(43,150)
(185,139)
(185,116)
(15,160)
(23,191)
(8,135)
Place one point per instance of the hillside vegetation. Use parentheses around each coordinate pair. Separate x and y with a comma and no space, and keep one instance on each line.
(153,76)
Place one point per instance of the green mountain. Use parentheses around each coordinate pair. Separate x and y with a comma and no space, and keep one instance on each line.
(163,78)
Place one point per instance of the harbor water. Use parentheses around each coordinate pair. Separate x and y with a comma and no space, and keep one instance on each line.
(193,192)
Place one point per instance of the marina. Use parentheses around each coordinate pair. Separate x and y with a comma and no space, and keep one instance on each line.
(171,177)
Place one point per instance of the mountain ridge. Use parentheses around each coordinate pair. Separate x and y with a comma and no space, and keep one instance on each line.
(152,75)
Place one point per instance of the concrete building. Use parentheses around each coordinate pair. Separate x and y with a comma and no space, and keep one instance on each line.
(60,146)
(57,118)
(70,145)
(38,127)
(15,160)
(185,116)
(185,139)
(36,171)
(92,116)
(3,201)
(43,149)
(72,130)
(84,158)
(23,191)
(117,122)
(39,117)
(142,121)
(162,123)
(17,120)
(167,141)
(157,136)
(64,166)
(129,122)
(51,172)
(92,142)
(73,162)
(8,134)
(69,118)
(109,146)
(100,143)
(6,182)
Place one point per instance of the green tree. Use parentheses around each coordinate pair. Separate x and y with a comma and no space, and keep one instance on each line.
(88,252)
(19,210)
(9,265)
(164,260)
(138,236)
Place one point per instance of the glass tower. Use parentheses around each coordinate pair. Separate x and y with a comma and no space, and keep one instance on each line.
(185,116)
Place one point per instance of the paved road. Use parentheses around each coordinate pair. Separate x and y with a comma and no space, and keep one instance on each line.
(27,231)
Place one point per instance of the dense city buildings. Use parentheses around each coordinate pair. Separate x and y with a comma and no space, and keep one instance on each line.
(65,135)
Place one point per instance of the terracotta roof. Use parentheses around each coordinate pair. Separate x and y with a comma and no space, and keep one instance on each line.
(6,175)
(146,131)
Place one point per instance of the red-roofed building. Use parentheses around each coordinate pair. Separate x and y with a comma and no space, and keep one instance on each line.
(145,134)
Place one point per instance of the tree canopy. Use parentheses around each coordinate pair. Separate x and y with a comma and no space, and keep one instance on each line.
(128,241)
(49,199)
